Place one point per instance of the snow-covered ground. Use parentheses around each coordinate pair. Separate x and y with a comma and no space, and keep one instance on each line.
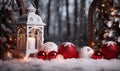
(60,65)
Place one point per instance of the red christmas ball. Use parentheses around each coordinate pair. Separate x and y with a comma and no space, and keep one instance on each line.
(68,50)
(97,55)
(41,55)
(110,50)
(52,55)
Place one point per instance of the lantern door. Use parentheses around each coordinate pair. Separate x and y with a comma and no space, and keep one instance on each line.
(35,38)
(21,38)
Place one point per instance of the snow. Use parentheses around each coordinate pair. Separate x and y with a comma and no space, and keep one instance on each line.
(110,34)
(109,24)
(118,39)
(49,46)
(80,64)
(69,44)
(110,43)
(117,19)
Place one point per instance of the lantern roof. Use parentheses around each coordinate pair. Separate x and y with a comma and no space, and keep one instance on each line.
(30,18)
(31,8)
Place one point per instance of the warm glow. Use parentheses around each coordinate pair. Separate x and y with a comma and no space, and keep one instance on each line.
(106,34)
(59,57)
(112,13)
(97,9)
(9,55)
(112,9)
(10,38)
(23,59)
(93,44)
(103,5)
(95,30)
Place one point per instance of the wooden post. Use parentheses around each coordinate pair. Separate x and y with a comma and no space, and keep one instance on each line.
(90,22)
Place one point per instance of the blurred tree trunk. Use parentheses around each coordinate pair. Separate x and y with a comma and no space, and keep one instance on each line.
(85,24)
(59,19)
(82,19)
(67,18)
(37,5)
(48,18)
(21,6)
(75,18)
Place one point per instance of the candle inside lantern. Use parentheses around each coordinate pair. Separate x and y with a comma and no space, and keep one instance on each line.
(31,43)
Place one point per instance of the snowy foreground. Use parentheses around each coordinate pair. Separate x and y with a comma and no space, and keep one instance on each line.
(60,65)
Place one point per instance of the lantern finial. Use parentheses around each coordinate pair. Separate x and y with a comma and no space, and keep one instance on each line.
(31,8)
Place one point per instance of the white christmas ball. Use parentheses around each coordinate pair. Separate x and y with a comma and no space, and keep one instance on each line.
(86,52)
(50,46)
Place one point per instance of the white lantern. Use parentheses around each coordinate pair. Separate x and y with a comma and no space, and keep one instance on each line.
(30,32)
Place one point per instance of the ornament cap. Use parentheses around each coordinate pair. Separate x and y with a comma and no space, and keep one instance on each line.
(68,44)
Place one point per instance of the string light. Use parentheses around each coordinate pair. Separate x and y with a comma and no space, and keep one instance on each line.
(97,10)
(10,39)
(93,44)
(103,5)
(106,34)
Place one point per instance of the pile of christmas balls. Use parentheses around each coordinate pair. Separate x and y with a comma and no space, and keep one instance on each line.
(50,50)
